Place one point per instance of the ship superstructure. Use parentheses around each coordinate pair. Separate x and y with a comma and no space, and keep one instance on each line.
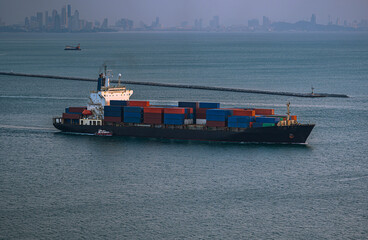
(105,93)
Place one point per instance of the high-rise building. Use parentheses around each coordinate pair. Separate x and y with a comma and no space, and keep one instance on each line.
(215,23)
(69,10)
(63,17)
(75,23)
(313,19)
(266,22)
(26,22)
(198,24)
(40,20)
(104,24)
(253,24)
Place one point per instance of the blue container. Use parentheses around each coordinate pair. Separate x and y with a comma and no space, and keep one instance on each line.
(118,103)
(133,109)
(243,125)
(174,116)
(112,109)
(112,114)
(209,105)
(257,124)
(132,120)
(132,114)
(220,112)
(238,125)
(241,119)
(173,121)
(266,120)
(218,118)
(193,105)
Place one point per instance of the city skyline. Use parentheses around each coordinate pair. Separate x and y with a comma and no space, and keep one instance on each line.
(68,20)
(173,13)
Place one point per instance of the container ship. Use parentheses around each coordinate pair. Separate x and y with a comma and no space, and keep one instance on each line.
(111,111)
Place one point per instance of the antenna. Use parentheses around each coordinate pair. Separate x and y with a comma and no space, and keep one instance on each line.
(119,79)
(312,90)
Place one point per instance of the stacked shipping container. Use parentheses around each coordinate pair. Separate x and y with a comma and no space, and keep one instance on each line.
(206,113)
(113,114)
(133,114)
(73,114)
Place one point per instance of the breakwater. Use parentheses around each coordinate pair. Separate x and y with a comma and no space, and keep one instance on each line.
(292,94)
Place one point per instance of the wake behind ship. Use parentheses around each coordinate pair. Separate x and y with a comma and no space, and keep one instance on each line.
(110,109)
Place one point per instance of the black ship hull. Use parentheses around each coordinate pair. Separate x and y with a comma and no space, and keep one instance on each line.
(277,134)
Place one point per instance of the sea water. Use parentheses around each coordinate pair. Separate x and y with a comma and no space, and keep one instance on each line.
(70,186)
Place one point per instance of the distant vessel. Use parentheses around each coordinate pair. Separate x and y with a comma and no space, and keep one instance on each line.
(78,48)
(109,109)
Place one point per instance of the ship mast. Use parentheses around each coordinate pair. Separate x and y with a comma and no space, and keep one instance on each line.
(288,111)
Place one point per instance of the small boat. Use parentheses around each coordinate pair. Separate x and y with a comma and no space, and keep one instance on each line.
(102,132)
(73,48)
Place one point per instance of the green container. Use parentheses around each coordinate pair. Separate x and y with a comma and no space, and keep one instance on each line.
(268,124)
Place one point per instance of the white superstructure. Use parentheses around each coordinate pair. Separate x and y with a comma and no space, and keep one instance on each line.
(104,94)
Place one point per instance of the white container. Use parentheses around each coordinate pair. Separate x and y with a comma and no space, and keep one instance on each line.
(201,121)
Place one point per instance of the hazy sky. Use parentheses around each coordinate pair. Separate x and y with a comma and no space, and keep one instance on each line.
(173,12)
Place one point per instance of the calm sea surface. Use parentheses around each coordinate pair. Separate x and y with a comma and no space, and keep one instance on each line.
(63,186)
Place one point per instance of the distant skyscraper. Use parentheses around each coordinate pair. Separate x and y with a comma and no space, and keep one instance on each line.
(198,24)
(69,10)
(63,17)
(253,23)
(40,20)
(75,23)
(104,24)
(266,22)
(156,24)
(26,22)
(313,19)
(215,23)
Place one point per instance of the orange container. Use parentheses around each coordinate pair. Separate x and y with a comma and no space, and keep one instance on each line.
(243,112)
(71,116)
(262,111)
(153,110)
(293,117)
(139,103)
(175,110)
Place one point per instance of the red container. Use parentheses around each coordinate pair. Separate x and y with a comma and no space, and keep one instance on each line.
(152,116)
(215,124)
(251,124)
(112,119)
(71,116)
(139,103)
(202,110)
(153,110)
(175,110)
(293,117)
(190,110)
(201,113)
(77,109)
(261,111)
(153,121)
(243,112)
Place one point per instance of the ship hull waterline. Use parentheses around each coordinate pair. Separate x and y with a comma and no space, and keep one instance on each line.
(277,134)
